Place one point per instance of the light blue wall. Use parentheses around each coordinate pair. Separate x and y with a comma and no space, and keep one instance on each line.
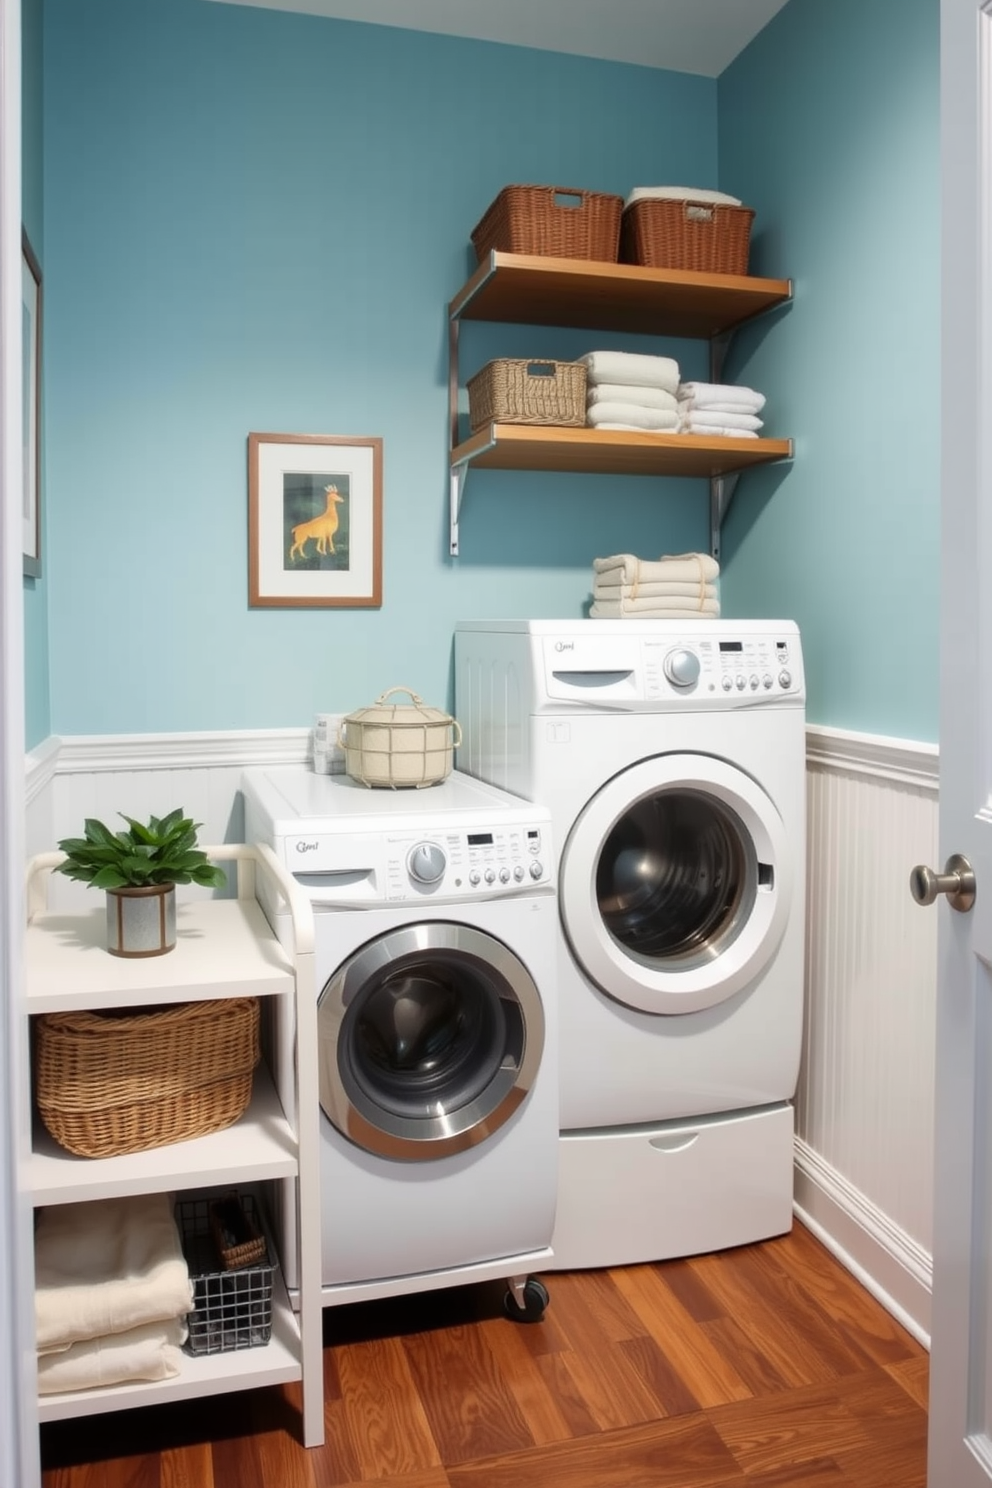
(828,126)
(37,713)
(254,221)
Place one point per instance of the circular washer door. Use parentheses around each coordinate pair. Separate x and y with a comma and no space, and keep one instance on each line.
(675,884)
(430,1037)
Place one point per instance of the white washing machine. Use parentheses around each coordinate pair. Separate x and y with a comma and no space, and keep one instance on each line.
(435,949)
(671,755)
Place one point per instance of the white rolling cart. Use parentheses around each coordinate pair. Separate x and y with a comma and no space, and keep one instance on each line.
(224,948)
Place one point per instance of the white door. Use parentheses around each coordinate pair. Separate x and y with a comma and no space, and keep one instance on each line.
(961,1359)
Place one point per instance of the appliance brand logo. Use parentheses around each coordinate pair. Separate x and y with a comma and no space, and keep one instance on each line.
(564,646)
(306,847)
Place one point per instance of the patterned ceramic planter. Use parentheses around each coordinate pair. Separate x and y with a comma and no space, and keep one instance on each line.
(141,922)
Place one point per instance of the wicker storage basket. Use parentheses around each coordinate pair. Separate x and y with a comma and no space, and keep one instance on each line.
(517,392)
(108,1083)
(551,221)
(660,233)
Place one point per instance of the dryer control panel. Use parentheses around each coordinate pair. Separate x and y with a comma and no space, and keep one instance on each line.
(653,666)
(455,863)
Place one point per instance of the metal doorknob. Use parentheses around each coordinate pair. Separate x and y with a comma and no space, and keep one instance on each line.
(957,881)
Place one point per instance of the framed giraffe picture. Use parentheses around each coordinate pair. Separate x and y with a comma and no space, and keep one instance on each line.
(314,521)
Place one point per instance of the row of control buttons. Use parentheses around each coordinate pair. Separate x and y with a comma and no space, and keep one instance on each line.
(754,681)
(519,873)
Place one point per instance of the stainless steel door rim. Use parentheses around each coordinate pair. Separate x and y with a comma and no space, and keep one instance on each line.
(431,1036)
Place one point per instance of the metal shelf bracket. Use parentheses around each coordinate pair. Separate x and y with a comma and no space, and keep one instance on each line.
(457,486)
(722,488)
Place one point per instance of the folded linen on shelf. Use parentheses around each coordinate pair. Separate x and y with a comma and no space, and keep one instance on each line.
(683,593)
(630,392)
(632,367)
(632,416)
(150,1352)
(725,395)
(644,609)
(713,418)
(670,568)
(107,1266)
(707,431)
(682,193)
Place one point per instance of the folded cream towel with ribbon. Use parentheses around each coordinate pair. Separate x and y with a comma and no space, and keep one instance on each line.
(107,1266)
(670,568)
(629,392)
(150,1352)
(644,609)
(682,193)
(632,416)
(632,367)
(712,418)
(721,395)
(604,590)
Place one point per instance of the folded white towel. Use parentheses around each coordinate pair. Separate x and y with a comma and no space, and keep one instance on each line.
(683,568)
(631,416)
(602,589)
(682,193)
(706,431)
(630,392)
(105,1267)
(632,367)
(726,395)
(147,1353)
(644,609)
(719,418)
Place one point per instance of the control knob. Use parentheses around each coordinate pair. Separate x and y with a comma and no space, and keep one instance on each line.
(426,862)
(681,667)
(535,869)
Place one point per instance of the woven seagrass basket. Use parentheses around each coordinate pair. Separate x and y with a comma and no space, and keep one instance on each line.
(109,1083)
(660,233)
(551,222)
(517,392)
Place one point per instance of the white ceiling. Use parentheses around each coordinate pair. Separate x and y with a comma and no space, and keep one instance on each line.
(700,36)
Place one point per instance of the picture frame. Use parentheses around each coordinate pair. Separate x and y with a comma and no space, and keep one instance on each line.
(31,398)
(314,521)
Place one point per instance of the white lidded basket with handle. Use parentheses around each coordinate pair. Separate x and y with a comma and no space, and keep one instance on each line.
(395,746)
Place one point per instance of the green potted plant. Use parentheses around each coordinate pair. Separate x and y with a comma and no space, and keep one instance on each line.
(139,870)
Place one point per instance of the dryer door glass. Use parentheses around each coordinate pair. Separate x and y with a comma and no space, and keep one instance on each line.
(430,1038)
(675,884)
(676,878)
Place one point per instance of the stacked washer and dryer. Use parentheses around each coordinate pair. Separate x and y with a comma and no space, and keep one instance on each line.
(435,950)
(671,758)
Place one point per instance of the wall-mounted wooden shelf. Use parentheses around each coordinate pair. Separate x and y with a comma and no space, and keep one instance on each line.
(523,289)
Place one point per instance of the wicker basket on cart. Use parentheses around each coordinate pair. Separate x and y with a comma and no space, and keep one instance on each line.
(518,392)
(113,1082)
(551,222)
(664,233)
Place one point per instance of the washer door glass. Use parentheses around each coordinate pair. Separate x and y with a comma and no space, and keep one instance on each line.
(430,1038)
(675,884)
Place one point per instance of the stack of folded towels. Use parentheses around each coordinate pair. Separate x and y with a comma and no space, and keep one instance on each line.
(112,1291)
(627,390)
(673,587)
(719,408)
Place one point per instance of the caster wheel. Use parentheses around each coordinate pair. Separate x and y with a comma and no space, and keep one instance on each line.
(536,1300)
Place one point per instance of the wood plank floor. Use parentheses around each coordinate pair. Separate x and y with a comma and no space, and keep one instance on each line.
(762,1367)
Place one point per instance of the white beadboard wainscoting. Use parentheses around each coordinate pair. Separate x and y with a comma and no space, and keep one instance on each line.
(864,1107)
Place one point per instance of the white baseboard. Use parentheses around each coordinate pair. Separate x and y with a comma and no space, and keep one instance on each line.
(889,1263)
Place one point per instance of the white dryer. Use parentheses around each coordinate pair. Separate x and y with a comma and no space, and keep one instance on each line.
(435,958)
(671,755)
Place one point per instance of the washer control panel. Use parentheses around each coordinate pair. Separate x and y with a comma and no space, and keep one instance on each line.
(488,861)
(422,861)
